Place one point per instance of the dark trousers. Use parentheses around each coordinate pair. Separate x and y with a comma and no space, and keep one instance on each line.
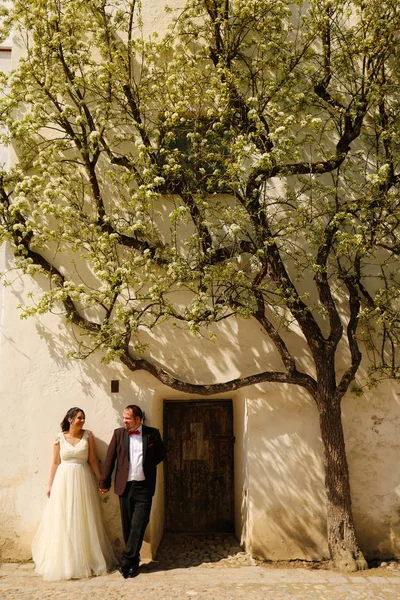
(135,507)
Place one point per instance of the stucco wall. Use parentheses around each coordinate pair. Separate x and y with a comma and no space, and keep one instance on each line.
(279,480)
(279,491)
(372,429)
(287,517)
(37,386)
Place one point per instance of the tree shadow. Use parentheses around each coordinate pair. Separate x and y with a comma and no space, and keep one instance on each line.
(285,480)
(282,500)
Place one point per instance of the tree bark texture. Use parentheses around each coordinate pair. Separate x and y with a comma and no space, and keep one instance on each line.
(342,541)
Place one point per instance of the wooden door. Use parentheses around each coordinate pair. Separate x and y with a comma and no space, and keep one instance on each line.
(199,466)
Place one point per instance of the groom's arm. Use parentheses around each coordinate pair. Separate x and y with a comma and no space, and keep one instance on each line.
(108,466)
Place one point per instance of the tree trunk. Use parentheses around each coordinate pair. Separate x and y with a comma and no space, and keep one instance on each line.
(342,541)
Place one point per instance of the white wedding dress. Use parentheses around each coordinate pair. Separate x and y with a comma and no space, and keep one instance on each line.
(71,542)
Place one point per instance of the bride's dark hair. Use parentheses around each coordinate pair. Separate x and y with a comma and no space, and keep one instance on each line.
(70,415)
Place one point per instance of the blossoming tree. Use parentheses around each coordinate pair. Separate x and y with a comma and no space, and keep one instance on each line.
(247,161)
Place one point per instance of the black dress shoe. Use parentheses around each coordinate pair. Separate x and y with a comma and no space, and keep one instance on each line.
(124,570)
(133,571)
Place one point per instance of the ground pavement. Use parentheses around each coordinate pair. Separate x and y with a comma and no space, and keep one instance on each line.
(212,568)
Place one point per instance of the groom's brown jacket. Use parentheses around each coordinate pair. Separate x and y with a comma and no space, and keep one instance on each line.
(118,452)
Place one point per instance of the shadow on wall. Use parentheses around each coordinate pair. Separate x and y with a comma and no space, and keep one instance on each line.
(274,522)
(286,499)
(286,478)
(372,431)
(241,349)
(283,513)
(241,467)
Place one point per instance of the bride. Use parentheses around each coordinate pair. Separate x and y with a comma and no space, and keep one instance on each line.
(71,541)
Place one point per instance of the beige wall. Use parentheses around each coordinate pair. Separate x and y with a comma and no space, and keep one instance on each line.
(372,430)
(38,384)
(279,490)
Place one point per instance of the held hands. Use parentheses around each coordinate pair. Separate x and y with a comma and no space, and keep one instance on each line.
(104,490)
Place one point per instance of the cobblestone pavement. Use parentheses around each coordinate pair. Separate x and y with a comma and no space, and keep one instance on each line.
(211,568)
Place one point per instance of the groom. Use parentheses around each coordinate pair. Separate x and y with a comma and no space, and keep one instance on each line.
(137,449)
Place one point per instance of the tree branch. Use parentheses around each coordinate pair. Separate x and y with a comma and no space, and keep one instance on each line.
(324,290)
(217,388)
(354,305)
(272,332)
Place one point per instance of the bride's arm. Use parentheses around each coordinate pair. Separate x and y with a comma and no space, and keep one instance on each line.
(93,460)
(54,465)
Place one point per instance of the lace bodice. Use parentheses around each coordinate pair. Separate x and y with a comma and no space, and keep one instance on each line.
(74,454)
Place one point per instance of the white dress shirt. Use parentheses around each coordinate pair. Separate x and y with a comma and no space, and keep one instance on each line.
(136,472)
